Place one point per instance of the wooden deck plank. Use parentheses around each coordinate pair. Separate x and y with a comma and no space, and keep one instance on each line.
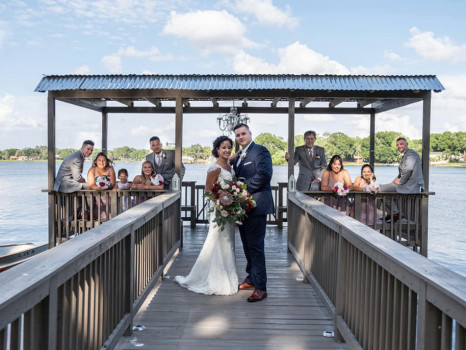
(292,316)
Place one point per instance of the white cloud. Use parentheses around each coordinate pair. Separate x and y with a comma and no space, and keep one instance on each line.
(209,30)
(393,121)
(266,13)
(152,54)
(84,69)
(296,58)
(2,37)
(391,55)
(436,49)
(112,63)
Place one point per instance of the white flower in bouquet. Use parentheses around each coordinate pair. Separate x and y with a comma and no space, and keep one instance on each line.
(103,182)
(156,179)
(371,186)
(340,189)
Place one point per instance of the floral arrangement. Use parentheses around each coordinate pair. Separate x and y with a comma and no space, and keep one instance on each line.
(371,186)
(231,202)
(340,189)
(156,179)
(103,182)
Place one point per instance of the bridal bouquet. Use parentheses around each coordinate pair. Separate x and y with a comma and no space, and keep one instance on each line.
(371,186)
(231,202)
(103,182)
(156,179)
(340,189)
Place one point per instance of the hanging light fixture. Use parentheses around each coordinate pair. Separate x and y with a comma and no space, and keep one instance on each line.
(228,121)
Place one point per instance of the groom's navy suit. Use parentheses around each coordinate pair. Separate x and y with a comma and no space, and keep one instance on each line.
(255,169)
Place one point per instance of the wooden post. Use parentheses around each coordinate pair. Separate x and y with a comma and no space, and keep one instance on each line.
(372,140)
(51,167)
(178,134)
(104,132)
(426,138)
(291,109)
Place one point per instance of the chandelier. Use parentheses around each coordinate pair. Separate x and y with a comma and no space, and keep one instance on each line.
(228,121)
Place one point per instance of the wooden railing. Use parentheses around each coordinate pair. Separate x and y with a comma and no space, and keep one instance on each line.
(195,206)
(77,212)
(381,296)
(409,228)
(84,293)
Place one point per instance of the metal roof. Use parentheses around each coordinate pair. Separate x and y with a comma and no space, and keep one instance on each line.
(241,82)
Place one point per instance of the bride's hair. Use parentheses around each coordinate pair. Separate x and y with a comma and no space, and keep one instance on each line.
(217,142)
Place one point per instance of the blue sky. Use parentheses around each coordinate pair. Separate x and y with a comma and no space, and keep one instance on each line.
(40,37)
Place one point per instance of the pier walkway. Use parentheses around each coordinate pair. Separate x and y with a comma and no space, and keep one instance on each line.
(292,316)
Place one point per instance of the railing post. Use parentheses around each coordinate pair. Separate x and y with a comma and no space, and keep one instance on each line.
(429,323)
(424,224)
(341,286)
(129,285)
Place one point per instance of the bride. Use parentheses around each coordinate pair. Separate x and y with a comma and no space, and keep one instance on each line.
(214,271)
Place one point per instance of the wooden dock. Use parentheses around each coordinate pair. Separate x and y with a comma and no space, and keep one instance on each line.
(292,317)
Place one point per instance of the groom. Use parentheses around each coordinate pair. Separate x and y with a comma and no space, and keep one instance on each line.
(254,166)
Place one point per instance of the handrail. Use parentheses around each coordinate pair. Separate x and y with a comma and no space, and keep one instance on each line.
(381,296)
(85,292)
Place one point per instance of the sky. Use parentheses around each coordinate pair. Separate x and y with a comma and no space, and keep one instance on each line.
(59,37)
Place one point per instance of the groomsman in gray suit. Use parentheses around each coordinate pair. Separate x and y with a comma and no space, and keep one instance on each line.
(312,163)
(163,161)
(69,177)
(409,179)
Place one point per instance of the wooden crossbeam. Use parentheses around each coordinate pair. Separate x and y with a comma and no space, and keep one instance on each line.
(336,101)
(306,101)
(155,101)
(126,101)
(364,103)
(275,102)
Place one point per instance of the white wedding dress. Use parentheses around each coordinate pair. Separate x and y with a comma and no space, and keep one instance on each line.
(214,271)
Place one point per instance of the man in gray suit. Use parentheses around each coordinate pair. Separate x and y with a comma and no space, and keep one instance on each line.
(69,177)
(312,163)
(163,161)
(409,179)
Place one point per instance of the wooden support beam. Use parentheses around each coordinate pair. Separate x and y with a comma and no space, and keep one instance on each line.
(155,101)
(291,111)
(305,101)
(372,141)
(126,101)
(93,104)
(336,101)
(51,166)
(104,132)
(275,102)
(364,103)
(388,104)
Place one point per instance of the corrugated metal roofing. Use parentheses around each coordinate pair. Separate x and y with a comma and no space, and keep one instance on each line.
(241,82)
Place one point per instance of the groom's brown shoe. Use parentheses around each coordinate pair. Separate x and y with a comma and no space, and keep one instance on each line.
(245,286)
(257,295)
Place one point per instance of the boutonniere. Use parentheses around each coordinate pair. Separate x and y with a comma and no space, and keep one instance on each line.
(317,157)
(164,156)
(244,155)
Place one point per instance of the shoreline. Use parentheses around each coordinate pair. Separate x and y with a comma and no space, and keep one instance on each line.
(442,165)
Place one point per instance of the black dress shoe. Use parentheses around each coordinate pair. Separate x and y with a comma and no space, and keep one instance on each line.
(257,295)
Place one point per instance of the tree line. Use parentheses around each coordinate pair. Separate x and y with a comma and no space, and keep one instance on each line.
(449,144)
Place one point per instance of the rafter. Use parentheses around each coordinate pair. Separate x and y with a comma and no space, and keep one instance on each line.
(336,101)
(126,101)
(364,103)
(214,102)
(275,102)
(155,101)
(306,101)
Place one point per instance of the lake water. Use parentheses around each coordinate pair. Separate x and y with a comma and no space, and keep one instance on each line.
(23,207)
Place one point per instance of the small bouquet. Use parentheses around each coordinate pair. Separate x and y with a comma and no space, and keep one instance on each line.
(103,182)
(371,186)
(156,179)
(231,202)
(340,189)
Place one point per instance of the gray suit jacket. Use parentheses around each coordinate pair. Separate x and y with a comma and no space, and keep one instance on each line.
(69,178)
(167,167)
(308,171)
(410,173)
